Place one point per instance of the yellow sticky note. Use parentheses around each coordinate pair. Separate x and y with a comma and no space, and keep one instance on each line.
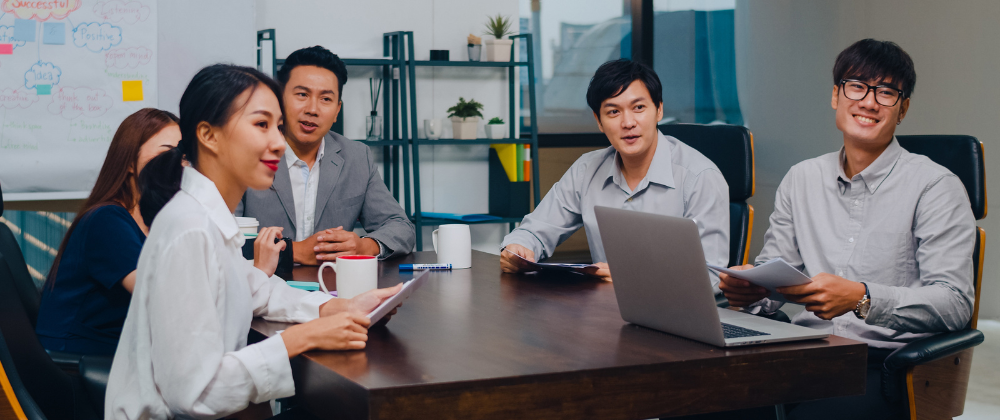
(131,90)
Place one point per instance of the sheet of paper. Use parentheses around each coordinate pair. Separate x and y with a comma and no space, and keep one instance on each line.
(770,275)
(390,303)
(536,266)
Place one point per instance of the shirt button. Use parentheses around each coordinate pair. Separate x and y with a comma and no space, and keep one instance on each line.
(840,273)
(851,240)
(856,202)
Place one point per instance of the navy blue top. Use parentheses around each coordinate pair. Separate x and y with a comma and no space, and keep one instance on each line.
(85,309)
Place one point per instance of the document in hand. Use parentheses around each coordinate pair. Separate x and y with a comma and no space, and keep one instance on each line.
(770,275)
(390,303)
(536,266)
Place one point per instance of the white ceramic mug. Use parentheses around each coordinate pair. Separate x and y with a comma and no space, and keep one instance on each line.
(356,274)
(434,128)
(453,245)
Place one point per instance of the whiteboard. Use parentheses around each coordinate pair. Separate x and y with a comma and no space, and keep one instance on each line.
(70,72)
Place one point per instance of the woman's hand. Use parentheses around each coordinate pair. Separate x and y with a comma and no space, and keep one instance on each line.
(343,331)
(265,251)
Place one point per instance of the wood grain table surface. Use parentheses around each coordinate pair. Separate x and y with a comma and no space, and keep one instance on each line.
(480,344)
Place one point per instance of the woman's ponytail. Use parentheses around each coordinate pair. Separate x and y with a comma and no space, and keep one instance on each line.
(159,180)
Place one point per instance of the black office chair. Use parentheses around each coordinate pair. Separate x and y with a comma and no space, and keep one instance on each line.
(730,147)
(937,367)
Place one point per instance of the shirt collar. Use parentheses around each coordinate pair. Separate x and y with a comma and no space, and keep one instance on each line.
(204,191)
(291,159)
(660,169)
(876,173)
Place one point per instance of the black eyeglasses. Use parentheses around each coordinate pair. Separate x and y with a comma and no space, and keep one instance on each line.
(857,90)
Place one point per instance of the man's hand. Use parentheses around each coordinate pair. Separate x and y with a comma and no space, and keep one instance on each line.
(828,296)
(599,270)
(265,251)
(510,263)
(741,293)
(329,244)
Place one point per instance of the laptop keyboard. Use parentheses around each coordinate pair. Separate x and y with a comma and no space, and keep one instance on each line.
(732,331)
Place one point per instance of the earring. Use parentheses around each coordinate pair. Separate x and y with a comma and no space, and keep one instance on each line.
(899,122)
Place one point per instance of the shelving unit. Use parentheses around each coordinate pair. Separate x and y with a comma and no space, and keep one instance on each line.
(401,132)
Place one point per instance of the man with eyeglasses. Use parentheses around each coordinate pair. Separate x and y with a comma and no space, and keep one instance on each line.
(886,235)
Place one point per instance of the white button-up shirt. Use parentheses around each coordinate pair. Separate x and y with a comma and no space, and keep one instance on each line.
(183,350)
(305,183)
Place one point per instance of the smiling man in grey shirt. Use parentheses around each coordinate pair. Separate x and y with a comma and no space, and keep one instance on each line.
(886,235)
(643,170)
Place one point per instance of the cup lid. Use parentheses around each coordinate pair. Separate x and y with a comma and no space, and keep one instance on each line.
(247,221)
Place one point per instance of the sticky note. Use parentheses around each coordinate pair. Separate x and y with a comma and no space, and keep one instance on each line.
(131,90)
(54,33)
(43,89)
(24,30)
(6,49)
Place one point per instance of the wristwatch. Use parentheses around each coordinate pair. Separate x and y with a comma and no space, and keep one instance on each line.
(864,305)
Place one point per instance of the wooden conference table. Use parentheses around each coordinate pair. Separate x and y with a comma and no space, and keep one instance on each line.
(476,344)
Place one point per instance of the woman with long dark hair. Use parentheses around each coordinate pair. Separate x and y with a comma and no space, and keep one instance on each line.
(87,293)
(183,351)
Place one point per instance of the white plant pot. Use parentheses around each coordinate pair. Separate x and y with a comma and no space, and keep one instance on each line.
(496,131)
(464,128)
(498,50)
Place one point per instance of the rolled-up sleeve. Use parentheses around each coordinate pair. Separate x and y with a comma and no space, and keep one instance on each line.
(555,218)
(942,300)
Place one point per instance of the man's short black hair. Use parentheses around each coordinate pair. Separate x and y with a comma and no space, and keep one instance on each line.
(314,56)
(869,59)
(613,77)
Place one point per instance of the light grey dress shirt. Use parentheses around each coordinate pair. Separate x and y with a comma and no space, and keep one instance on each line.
(681,182)
(903,226)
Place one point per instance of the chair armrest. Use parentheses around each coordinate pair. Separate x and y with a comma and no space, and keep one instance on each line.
(94,372)
(65,360)
(721,301)
(931,348)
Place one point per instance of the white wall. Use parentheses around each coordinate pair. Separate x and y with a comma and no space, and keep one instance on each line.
(221,31)
(453,179)
(785,51)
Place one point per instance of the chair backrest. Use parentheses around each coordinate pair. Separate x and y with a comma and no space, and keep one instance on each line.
(730,147)
(26,288)
(51,389)
(15,401)
(963,156)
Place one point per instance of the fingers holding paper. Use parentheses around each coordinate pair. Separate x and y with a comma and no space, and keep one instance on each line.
(740,292)
(514,258)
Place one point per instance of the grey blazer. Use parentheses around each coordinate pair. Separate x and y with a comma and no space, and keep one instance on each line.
(350,189)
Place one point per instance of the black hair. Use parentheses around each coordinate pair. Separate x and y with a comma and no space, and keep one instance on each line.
(613,77)
(869,59)
(314,56)
(210,97)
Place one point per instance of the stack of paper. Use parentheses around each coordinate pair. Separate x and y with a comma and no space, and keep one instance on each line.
(770,275)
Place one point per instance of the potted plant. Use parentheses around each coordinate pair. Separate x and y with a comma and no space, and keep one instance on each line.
(465,118)
(498,49)
(496,129)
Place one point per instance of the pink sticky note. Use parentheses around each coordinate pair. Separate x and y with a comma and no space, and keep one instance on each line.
(6,48)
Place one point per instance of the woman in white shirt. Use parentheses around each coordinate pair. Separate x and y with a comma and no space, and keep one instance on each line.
(183,350)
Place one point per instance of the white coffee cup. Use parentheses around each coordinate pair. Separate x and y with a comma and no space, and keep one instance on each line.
(434,128)
(356,274)
(453,244)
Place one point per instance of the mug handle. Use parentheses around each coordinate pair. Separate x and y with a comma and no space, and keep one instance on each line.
(434,239)
(331,264)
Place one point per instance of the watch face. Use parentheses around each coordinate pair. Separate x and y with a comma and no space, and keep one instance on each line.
(865,306)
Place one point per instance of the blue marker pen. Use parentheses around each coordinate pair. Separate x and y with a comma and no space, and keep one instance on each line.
(415,267)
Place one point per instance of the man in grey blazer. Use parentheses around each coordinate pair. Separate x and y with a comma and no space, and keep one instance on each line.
(326,182)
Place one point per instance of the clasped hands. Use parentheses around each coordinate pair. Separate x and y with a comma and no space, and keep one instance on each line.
(510,263)
(329,244)
(828,296)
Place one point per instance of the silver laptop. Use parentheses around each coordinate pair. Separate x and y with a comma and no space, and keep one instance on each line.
(661,282)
